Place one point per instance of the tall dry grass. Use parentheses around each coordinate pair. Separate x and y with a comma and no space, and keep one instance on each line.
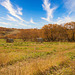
(38,66)
(31,58)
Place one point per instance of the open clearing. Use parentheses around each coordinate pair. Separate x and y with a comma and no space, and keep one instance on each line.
(31,58)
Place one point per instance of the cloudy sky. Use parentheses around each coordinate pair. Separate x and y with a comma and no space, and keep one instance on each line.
(35,13)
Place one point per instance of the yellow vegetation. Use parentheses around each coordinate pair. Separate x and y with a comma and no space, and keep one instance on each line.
(31,58)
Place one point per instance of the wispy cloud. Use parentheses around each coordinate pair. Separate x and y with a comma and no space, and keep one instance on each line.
(31,21)
(4,23)
(70,5)
(64,20)
(47,7)
(11,18)
(14,12)
(19,10)
(22,24)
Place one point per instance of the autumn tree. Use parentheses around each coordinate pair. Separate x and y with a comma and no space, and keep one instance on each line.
(70,31)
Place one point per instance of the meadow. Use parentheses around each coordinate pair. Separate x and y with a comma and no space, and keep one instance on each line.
(33,58)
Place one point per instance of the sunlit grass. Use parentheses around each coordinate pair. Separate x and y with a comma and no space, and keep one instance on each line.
(32,58)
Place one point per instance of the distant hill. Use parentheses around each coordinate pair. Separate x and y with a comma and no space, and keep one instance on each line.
(4,32)
(50,32)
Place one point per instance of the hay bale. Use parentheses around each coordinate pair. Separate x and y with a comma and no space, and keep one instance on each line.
(40,40)
(8,40)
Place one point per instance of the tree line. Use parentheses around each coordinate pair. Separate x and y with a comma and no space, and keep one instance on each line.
(50,32)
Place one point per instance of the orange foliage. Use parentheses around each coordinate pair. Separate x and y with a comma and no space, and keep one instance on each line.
(50,32)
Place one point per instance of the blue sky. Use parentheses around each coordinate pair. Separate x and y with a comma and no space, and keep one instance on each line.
(35,13)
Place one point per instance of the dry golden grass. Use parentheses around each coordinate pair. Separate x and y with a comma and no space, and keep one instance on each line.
(30,58)
(36,66)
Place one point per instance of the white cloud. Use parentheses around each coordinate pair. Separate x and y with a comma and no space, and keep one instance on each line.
(46,5)
(31,21)
(11,18)
(64,20)
(70,5)
(2,18)
(22,24)
(16,25)
(19,11)
(14,12)
(4,23)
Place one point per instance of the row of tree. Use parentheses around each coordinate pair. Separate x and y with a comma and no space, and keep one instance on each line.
(50,32)
(59,32)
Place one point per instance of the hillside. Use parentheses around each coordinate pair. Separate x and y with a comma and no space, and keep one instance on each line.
(50,32)
(4,32)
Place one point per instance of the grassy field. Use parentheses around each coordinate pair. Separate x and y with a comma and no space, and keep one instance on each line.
(32,58)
